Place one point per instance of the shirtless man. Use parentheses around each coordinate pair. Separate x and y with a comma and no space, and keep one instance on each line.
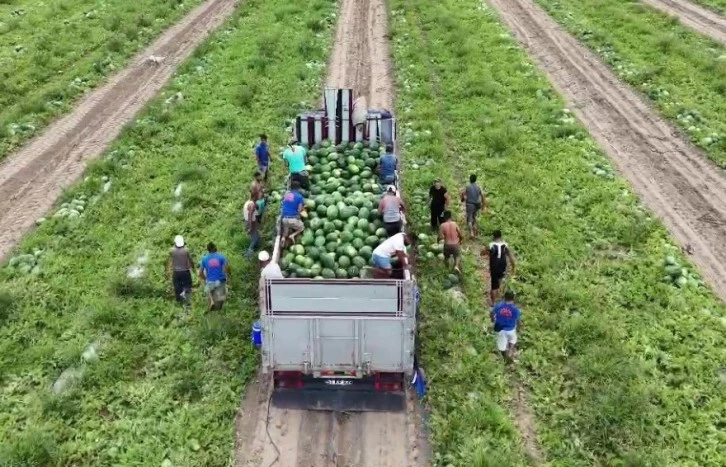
(450,232)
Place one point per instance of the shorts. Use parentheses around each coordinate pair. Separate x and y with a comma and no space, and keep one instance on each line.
(392,228)
(504,338)
(291,224)
(382,262)
(471,211)
(263,169)
(497,277)
(218,290)
(451,250)
(388,180)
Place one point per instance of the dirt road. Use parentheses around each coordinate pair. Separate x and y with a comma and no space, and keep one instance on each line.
(33,178)
(671,176)
(360,61)
(698,18)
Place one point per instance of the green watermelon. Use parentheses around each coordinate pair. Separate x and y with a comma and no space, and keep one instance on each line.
(341,273)
(319,241)
(366,252)
(327,260)
(328,273)
(332,212)
(359,261)
(344,262)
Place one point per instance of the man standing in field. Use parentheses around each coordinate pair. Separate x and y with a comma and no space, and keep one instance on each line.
(438,202)
(393,246)
(292,207)
(250,215)
(390,208)
(257,189)
(387,165)
(498,253)
(295,157)
(473,198)
(214,271)
(181,266)
(451,234)
(506,319)
(262,153)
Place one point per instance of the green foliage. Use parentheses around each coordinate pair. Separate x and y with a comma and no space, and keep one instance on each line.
(162,375)
(607,350)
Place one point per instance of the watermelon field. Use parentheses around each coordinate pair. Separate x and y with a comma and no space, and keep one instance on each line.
(681,72)
(622,352)
(52,52)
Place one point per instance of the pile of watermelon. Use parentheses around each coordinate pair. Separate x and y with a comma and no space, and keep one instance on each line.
(342,224)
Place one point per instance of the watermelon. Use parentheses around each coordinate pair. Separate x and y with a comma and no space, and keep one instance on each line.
(372,241)
(366,252)
(328,273)
(341,273)
(359,261)
(319,241)
(332,212)
(344,262)
(327,260)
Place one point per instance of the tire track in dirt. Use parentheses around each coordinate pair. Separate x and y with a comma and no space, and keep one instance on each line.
(361,61)
(698,18)
(672,177)
(33,178)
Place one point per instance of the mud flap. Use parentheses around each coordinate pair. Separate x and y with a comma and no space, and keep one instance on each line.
(339,400)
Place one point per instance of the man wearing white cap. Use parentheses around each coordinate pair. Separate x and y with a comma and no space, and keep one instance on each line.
(270,270)
(181,266)
(390,207)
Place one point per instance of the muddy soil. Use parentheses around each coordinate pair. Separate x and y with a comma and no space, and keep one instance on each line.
(673,178)
(32,179)
(698,18)
(295,438)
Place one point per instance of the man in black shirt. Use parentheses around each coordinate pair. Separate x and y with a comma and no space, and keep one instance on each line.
(438,202)
(498,253)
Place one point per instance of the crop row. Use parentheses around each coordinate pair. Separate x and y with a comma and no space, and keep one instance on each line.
(52,52)
(622,365)
(680,71)
(716,5)
(98,365)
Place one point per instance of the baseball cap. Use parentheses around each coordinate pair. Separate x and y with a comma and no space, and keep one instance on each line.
(263,256)
(179,241)
(391,189)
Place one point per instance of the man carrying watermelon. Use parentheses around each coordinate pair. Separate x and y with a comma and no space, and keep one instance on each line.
(393,246)
(295,157)
(293,204)
(387,165)
(390,208)
(498,253)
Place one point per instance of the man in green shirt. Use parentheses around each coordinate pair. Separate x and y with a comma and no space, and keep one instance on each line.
(295,157)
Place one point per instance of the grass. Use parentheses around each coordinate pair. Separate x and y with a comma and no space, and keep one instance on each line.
(609,353)
(167,383)
(681,72)
(52,52)
(715,5)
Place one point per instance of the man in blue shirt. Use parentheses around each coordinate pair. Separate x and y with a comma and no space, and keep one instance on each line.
(295,157)
(292,207)
(262,153)
(214,271)
(387,165)
(506,319)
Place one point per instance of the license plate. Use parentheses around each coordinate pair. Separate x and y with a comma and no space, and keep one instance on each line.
(338,382)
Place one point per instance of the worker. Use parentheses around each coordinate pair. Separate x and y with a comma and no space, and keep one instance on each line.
(498,253)
(214,271)
(390,208)
(180,266)
(292,208)
(269,269)
(451,234)
(295,157)
(251,218)
(256,187)
(262,152)
(392,246)
(387,166)
(438,202)
(506,319)
(473,198)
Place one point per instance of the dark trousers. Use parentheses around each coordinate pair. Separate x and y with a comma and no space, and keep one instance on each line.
(182,281)
(301,177)
(392,228)
(437,215)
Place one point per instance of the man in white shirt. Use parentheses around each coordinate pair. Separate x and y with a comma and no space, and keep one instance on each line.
(270,270)
(392,246)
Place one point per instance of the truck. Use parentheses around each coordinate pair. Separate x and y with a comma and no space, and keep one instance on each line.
(338,343)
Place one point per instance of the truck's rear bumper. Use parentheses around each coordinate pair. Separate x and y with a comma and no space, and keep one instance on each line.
(383,392)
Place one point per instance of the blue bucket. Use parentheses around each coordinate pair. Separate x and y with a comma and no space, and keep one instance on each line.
(257,334)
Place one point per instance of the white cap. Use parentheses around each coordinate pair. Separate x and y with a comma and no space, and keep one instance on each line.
(263,256)
(391,188)
(179,241)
